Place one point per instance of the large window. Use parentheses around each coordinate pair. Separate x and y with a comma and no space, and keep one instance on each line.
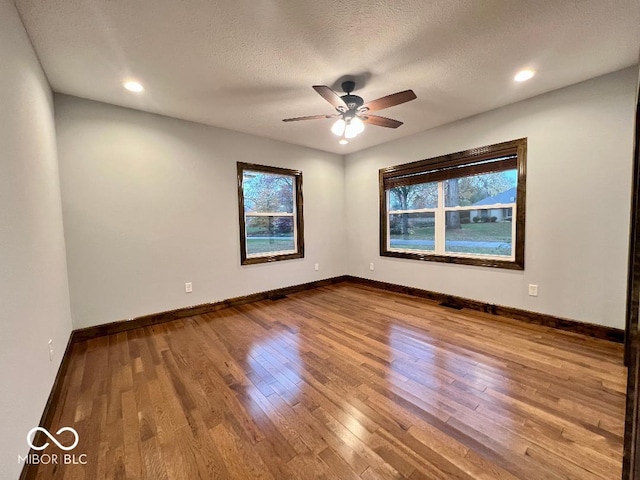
(271,226)
(467,207)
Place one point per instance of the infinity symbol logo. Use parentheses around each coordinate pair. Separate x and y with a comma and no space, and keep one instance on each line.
(31,435)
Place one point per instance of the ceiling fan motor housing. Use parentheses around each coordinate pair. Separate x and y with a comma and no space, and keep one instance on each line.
(352,101)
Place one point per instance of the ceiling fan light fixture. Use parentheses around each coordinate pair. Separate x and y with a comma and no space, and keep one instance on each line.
(343,141)
(354,127)
(349,127)
(338,128)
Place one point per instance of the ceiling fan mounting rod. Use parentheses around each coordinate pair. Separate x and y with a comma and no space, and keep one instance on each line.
(351,101)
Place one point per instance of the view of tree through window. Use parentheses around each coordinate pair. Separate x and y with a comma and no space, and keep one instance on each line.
(416,230)
(270,212)
(468,211)
(481,230)
(268,207)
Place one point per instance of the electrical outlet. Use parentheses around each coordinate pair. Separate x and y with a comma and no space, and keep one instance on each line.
(188,287)
(371,266)
(533,290)
(50,350)
(316,267)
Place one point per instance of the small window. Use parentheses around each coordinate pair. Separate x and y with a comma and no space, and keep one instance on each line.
(467,207)
(270,207)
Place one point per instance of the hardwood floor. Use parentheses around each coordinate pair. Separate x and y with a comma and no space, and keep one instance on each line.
(344,382)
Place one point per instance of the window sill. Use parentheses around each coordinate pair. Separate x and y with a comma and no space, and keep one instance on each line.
(271,258)
(480,262)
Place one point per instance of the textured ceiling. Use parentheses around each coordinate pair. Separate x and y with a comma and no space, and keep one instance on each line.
(247,64)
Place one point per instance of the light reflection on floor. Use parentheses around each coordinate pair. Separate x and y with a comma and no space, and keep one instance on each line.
(434,374)
(275,361)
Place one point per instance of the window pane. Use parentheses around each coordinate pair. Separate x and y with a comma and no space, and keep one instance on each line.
(269,234)
(412,231)
(423,195)
(485,232)
(486,189)
(267,192)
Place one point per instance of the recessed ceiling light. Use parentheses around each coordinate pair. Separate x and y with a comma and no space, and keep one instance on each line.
(524,75)
(133,86)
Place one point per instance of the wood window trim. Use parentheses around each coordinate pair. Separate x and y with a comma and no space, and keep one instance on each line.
(299,217)
(517,148)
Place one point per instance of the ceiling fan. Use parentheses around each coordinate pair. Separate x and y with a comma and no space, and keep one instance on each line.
(353,113)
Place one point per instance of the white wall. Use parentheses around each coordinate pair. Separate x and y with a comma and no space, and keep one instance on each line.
(579,162)
(150,203)
(34,298)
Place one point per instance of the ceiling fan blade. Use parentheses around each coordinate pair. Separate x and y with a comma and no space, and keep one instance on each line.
(381,121)
(332,97)
(311,117)
(389,101)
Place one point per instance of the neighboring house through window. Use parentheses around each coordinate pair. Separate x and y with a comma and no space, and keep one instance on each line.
(270,208)
(466,207)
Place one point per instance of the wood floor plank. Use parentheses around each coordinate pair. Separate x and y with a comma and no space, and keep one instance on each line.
(344,382)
